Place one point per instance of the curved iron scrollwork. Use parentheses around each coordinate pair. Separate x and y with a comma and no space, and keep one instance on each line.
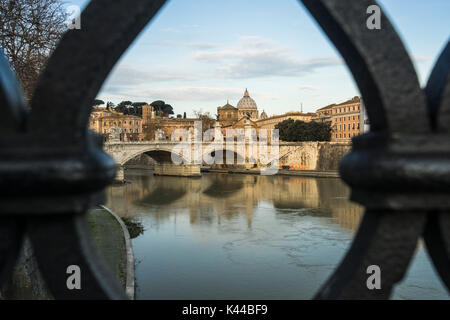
(400,171)
(52,169)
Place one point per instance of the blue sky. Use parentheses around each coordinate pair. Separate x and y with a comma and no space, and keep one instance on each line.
(197,54)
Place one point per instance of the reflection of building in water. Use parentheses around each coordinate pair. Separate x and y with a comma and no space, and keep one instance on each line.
(349,217)
(215,197)
(291,192)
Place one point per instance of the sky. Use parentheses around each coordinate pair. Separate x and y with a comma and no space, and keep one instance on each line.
(197,54)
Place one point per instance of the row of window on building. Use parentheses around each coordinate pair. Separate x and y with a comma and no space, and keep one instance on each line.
(124,130)
(120,123)
(349,118)
(353,126)
(346,109)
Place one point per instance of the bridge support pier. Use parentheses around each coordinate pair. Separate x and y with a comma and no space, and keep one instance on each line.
(120,175)
(182,170)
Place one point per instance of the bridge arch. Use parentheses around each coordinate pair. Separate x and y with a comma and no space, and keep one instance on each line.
(227,154)
(157,153)
(125,152)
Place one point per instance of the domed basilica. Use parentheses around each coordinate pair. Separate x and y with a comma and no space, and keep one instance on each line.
(246,108)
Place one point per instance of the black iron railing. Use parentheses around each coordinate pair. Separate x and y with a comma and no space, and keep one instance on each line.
(52,169)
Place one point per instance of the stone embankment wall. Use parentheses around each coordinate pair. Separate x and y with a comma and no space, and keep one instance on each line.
(330,154)
(170,169)
(320,156)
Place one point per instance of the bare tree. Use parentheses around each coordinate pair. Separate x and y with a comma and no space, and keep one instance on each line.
(206,119)
(150,128)
(29,32)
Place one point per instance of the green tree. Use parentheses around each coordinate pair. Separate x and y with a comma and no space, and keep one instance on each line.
(97,102)
(139,104)
(125,103)
(137,108)
(162,108)
(123,107)
(297,130)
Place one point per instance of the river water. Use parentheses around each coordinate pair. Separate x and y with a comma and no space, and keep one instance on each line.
(232,236)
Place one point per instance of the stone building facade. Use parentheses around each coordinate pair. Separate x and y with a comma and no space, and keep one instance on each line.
(231,117)
(156,127)
(227,115)
(324,114)
(346,118)
(102,120)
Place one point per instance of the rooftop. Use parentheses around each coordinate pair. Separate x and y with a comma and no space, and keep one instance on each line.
(352,100)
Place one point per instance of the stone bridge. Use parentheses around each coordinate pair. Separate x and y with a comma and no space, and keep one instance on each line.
(186,158)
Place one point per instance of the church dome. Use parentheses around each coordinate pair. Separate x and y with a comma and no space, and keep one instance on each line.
(246,102)
(263,115)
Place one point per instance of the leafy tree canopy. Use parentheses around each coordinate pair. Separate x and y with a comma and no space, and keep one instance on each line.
(124,104)
(139,104)
(297,130)
(97,102)
(162,107)
(135,108)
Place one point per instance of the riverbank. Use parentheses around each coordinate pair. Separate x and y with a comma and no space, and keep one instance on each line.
(129,283)
(284,172)
(112,240)
(301,173)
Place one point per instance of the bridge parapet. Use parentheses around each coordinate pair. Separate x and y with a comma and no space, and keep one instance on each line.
(322,156)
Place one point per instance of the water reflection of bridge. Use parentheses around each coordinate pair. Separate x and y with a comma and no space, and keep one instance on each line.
(222,196)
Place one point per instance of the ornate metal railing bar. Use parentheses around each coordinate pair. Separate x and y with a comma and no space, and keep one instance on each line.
(52,169)
(400,170)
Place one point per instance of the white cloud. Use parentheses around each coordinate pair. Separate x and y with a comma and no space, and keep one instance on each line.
(169,29)
(127,75)
(308,87)
(195,45)
(202,45)
(186,93)
(420,58)
(255,57)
